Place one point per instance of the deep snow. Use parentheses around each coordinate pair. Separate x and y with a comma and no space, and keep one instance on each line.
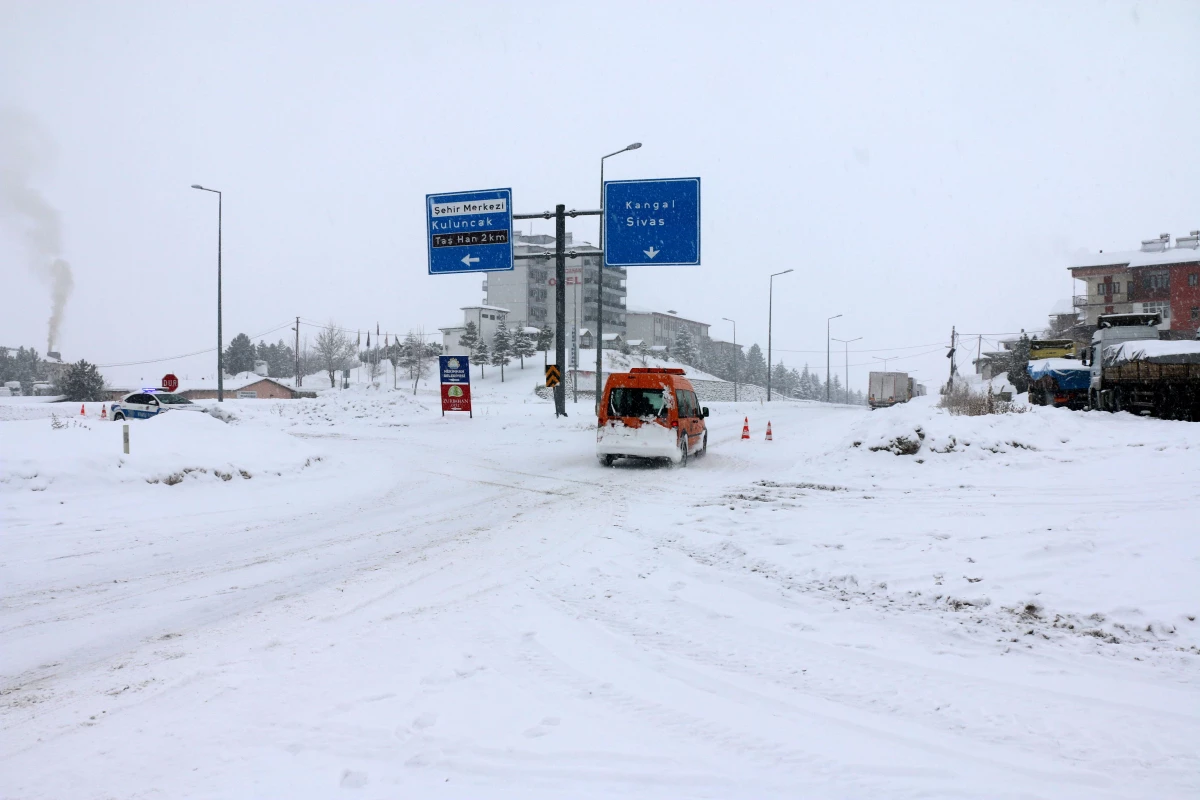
(454,607)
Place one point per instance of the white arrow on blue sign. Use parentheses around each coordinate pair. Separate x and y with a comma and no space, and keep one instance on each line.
(652,222)
(469,231)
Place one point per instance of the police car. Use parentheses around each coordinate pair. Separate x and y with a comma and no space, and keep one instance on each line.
(149,403)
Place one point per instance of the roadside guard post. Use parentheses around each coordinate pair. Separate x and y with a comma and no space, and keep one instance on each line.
(455,373)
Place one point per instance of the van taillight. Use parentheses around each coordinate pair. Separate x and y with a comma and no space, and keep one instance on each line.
(674,423)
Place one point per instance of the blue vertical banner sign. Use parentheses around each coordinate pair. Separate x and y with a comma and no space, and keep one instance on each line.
(652,222)
(469,231)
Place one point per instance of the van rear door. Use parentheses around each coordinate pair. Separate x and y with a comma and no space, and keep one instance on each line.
(636,405)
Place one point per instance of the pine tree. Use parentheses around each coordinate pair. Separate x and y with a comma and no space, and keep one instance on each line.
(502,349)
(756,367)
(240,355)
(475,346)
(685,347)
(80,383)
(545,339)
(480,355)
(523,345)
(1018,359)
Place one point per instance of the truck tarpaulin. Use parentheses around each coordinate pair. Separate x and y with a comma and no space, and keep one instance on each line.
(1153,351)
(1067,373)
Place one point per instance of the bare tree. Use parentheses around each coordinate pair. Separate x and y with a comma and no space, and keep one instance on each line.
(334,351)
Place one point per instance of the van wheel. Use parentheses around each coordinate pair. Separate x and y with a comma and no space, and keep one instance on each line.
(683,451)
(703,451)
(607,460)
(117,417)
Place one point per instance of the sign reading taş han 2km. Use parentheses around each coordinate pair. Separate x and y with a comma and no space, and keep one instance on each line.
(652,222)
(469,231)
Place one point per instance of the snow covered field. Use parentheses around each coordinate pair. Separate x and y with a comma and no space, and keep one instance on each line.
(397,604)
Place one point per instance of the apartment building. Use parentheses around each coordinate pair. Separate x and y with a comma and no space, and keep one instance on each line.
(1159,277)
(527,292)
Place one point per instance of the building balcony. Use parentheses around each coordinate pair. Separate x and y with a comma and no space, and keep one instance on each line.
(1085,301)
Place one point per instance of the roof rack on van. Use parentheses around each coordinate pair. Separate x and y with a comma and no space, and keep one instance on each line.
(656,371)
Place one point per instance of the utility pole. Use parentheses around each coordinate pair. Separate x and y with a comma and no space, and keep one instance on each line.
(831,319)
(735,358)
(299,377)
(950,355)
(220,348)
(846,374)
(770,316)
(600,282)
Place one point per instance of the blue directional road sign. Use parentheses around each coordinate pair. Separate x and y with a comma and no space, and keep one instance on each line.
(469,231)
(652,222)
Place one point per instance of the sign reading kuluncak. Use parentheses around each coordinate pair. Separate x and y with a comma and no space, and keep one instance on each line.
(455,375)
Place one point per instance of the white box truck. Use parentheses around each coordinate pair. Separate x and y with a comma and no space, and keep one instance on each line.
(887,389)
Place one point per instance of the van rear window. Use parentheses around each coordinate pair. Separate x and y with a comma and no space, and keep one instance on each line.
(637,403)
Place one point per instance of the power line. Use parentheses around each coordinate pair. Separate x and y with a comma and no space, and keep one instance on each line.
(875,350)
(187,355)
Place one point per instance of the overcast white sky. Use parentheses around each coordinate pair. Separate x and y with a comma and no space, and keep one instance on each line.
(918,165)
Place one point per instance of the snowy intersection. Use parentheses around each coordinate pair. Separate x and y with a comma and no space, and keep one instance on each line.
(400,605)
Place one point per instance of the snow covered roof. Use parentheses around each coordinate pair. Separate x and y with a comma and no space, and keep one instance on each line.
(484,308)
(636,342)
(1137,258)
(531,330)
(610,337)
(637,310)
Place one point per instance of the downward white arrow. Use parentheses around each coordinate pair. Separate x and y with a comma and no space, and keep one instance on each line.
(469,261)
(652,252)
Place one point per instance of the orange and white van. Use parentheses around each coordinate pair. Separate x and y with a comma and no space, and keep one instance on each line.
(650,412)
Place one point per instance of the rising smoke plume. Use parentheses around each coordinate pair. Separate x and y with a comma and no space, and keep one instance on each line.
(25,152)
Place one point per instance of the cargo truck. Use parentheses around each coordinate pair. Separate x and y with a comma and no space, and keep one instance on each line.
(1132,370)
(1059,382)
(886,389)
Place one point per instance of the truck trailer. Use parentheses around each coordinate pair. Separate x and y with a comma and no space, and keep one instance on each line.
(888,388)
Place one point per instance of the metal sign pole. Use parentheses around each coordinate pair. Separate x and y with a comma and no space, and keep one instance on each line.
(560,303)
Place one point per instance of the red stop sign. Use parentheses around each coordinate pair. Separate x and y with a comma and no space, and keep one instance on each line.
(170,382)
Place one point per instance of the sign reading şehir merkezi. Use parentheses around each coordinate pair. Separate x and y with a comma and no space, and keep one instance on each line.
(652,222)
(469,231)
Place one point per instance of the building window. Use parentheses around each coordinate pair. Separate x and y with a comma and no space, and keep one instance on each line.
(1159,307)
(1158,280)
(1194,279)
(1195,313)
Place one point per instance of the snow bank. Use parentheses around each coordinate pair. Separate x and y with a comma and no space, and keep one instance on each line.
(68,454)
(920,428)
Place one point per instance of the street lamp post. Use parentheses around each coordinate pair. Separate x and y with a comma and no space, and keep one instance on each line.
(770,314)
(735,358)
(220,345)
(846,374)
(600,281)
(831,319)
(884,360)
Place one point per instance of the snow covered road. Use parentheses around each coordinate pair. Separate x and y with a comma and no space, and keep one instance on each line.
(475,608)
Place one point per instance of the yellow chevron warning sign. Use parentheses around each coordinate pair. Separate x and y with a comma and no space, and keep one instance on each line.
(553,376)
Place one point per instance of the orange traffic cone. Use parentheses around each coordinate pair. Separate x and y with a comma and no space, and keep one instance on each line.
(103,412)
(82,410)
(769,430)
(746,428)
